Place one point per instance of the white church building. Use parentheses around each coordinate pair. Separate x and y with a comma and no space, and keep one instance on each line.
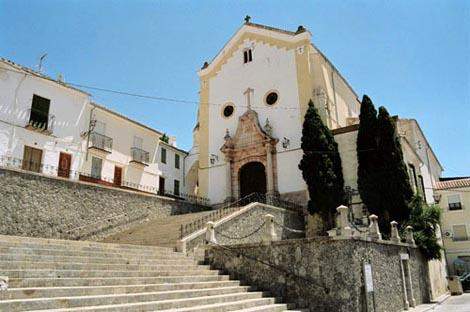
(253,98)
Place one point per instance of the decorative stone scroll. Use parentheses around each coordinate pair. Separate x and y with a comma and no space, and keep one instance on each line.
(250,143)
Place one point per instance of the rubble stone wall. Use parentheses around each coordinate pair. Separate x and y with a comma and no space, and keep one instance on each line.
(323,274)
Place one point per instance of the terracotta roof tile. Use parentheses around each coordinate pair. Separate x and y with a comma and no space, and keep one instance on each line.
(451,184)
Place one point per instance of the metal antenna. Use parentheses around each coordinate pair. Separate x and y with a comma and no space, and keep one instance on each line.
(41,59)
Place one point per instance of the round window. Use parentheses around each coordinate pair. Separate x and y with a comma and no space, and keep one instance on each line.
(271,98)
(228,110)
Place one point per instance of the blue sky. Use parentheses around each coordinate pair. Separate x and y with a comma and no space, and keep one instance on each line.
(411,56)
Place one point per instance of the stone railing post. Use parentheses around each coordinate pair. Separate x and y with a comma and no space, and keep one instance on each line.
(394,237)
(374,231)
(409,235)
(210,233)
(345,227)
(269,232)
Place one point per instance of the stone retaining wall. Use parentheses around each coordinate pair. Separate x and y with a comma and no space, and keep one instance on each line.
(35,205)
(323,274)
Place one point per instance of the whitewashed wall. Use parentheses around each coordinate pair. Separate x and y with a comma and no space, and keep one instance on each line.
(272,68)
(68,106)
(122,131)
(168,170)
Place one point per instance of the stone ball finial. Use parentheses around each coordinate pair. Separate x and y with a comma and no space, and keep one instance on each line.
(300,29)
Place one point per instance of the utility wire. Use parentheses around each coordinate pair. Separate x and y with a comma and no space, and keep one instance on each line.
(150,97)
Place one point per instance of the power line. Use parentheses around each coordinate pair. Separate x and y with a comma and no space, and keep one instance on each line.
(145,96)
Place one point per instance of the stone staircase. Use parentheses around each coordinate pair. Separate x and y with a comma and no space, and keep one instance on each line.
(162,232)
(59,275)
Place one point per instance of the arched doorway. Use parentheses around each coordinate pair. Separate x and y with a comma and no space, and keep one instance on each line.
(252,178)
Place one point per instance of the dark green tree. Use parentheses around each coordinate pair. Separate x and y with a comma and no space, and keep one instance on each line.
(425,219)
(393,183)
(368,162)
(321,168)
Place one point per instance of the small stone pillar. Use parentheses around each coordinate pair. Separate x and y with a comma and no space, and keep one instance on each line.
(374,231)
(395,237)
(210,233)
(345,227)
(409,235)
(269,232)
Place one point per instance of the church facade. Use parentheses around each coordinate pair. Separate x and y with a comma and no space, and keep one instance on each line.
(253,98)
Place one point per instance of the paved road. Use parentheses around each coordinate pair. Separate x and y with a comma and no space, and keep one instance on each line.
(455,304)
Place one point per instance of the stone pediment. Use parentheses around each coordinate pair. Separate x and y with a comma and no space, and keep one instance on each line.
(249,134)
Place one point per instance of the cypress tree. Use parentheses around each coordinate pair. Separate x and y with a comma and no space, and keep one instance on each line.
(321,168)
(368,162)
(393,182)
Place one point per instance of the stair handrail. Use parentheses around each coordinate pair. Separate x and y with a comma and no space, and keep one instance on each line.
(232,206)
(199,223)
(108,219)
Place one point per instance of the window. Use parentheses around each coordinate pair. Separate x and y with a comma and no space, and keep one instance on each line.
(460,232)
(138,142)
(454,202)
(228,110)
(177,161)
(247,56)
(39,116)
(413,179)
(271,98)
(422,188)
(177,188)
(163,156)
(96,165)
(100,127)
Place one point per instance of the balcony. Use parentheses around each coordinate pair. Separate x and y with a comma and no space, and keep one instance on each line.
(139,156)
(40,121)
(100,142)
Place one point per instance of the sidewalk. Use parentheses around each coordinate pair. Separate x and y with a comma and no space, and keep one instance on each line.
(446,303)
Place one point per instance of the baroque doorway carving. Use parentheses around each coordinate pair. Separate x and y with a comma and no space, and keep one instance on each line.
(250,144)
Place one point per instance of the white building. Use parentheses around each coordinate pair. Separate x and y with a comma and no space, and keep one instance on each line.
(41,121)
(49,127)
(454,199)
(254,95)
(172,166)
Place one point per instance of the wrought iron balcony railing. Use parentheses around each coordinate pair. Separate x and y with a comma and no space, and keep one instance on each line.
(139,155)
(101,142)
(40,121)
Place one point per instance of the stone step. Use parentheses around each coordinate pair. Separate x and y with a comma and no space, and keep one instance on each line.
(83,301)
(236,306)
(49,292)
(271,308)
(103,273)
(30,265)
(93,248)
(109,281)
(5,239)
(71,252)
(219,303)
(84,259)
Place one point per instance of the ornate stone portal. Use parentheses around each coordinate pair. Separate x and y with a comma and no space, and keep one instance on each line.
(250,144)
